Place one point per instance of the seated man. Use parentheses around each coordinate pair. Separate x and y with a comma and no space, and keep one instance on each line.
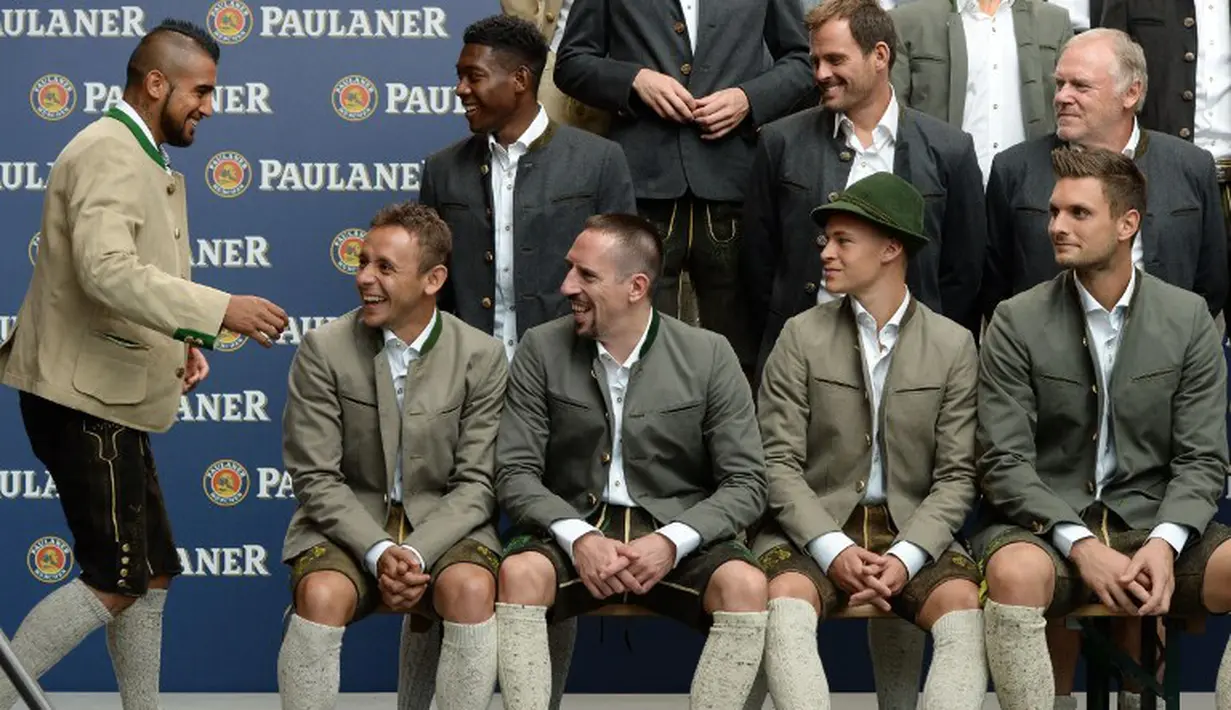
(1102,422)
(630,465)
(867,408)
(389,434)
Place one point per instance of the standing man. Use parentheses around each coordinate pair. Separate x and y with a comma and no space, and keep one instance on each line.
(880,367)
(1101,84)
(108,338)
(515,193)
(1187,46)
(1102,421)
(689,84)
(389,436)
(860,128)
(630,464)
(551,17)
(1005,95)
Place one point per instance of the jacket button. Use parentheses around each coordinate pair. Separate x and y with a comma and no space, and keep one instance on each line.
(809,287)
(1094,389)
(1188,95)
(550,16)
(1189,21)
(483,169)
(486,302)
(489,257)
(606,457)
(179,372)
(1184,133)
(1089,486)
(859,485)
(171,189)
(1037,527)
(686,69)
(868,438)
(124,547)
(833,197)
(177,232)
(1094,436)
(591,499)
(679,28)
(846,156)
(1190,57)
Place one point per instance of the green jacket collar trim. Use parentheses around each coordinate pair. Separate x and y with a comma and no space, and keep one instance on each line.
(150,150)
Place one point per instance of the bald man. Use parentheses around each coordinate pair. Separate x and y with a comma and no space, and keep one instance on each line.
(109,336)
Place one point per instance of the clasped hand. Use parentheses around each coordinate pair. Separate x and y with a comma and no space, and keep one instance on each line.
(1149,575)
(608,566)
(867,577)
(400,578)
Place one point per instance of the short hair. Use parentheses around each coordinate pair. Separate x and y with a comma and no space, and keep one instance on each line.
(1123,183)
(145,57)
(870,23)
(423,223)
(512,36)
(639,244)
(1130,59)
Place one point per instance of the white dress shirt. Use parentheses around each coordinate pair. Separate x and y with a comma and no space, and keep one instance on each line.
(876,158)
(877,349)
(993,109)
(400,356)
(1104,331)
(561,18)
(690,21)
(568,531)
(1212,116)
(504,177)
(149,135)
(1079,12)
(1130,150)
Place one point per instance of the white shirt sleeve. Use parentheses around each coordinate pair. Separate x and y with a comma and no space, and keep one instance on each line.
(685,538)
(911,555)
(568,531)
(1065,535)
(1175,535)
(374,553)
(826,548)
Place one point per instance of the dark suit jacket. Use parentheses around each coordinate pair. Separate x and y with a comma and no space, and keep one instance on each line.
(692,449)
(606,42)
(1159,27)
(1184,233)
(566,176)
(799,164)
(1039,411)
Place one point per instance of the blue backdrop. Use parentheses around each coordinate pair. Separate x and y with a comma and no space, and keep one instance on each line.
(322,117)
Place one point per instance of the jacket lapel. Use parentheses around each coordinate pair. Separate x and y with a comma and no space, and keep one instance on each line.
(957,69)
(386,406)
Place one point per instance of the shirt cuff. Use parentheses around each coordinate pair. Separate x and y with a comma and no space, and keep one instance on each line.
(826,548)
(911,555)
(567,532)
(1065,535)
(418,558)
(374,553)
(1175,535)
(685,538)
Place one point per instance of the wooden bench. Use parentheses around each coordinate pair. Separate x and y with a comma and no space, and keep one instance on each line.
(1103,658)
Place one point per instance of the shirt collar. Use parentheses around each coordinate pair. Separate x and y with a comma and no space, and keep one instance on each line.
(532,133)
(136,117)
(1134,138)
(862,314)
(888,122)
(419,342)
(636,354)
(972,6)
(1090,305)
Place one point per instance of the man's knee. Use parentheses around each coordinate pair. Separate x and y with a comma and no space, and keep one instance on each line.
(326,597)
(794,585)
(737,586)
(1021,574)
(465,594)
(527,578)
(952,595)
(1216,585)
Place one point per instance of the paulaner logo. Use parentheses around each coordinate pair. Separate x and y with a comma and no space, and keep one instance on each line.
(53,97)
(229,21)
(49,559)
(226,483)
(354,98)
(344,251)
(228,174)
